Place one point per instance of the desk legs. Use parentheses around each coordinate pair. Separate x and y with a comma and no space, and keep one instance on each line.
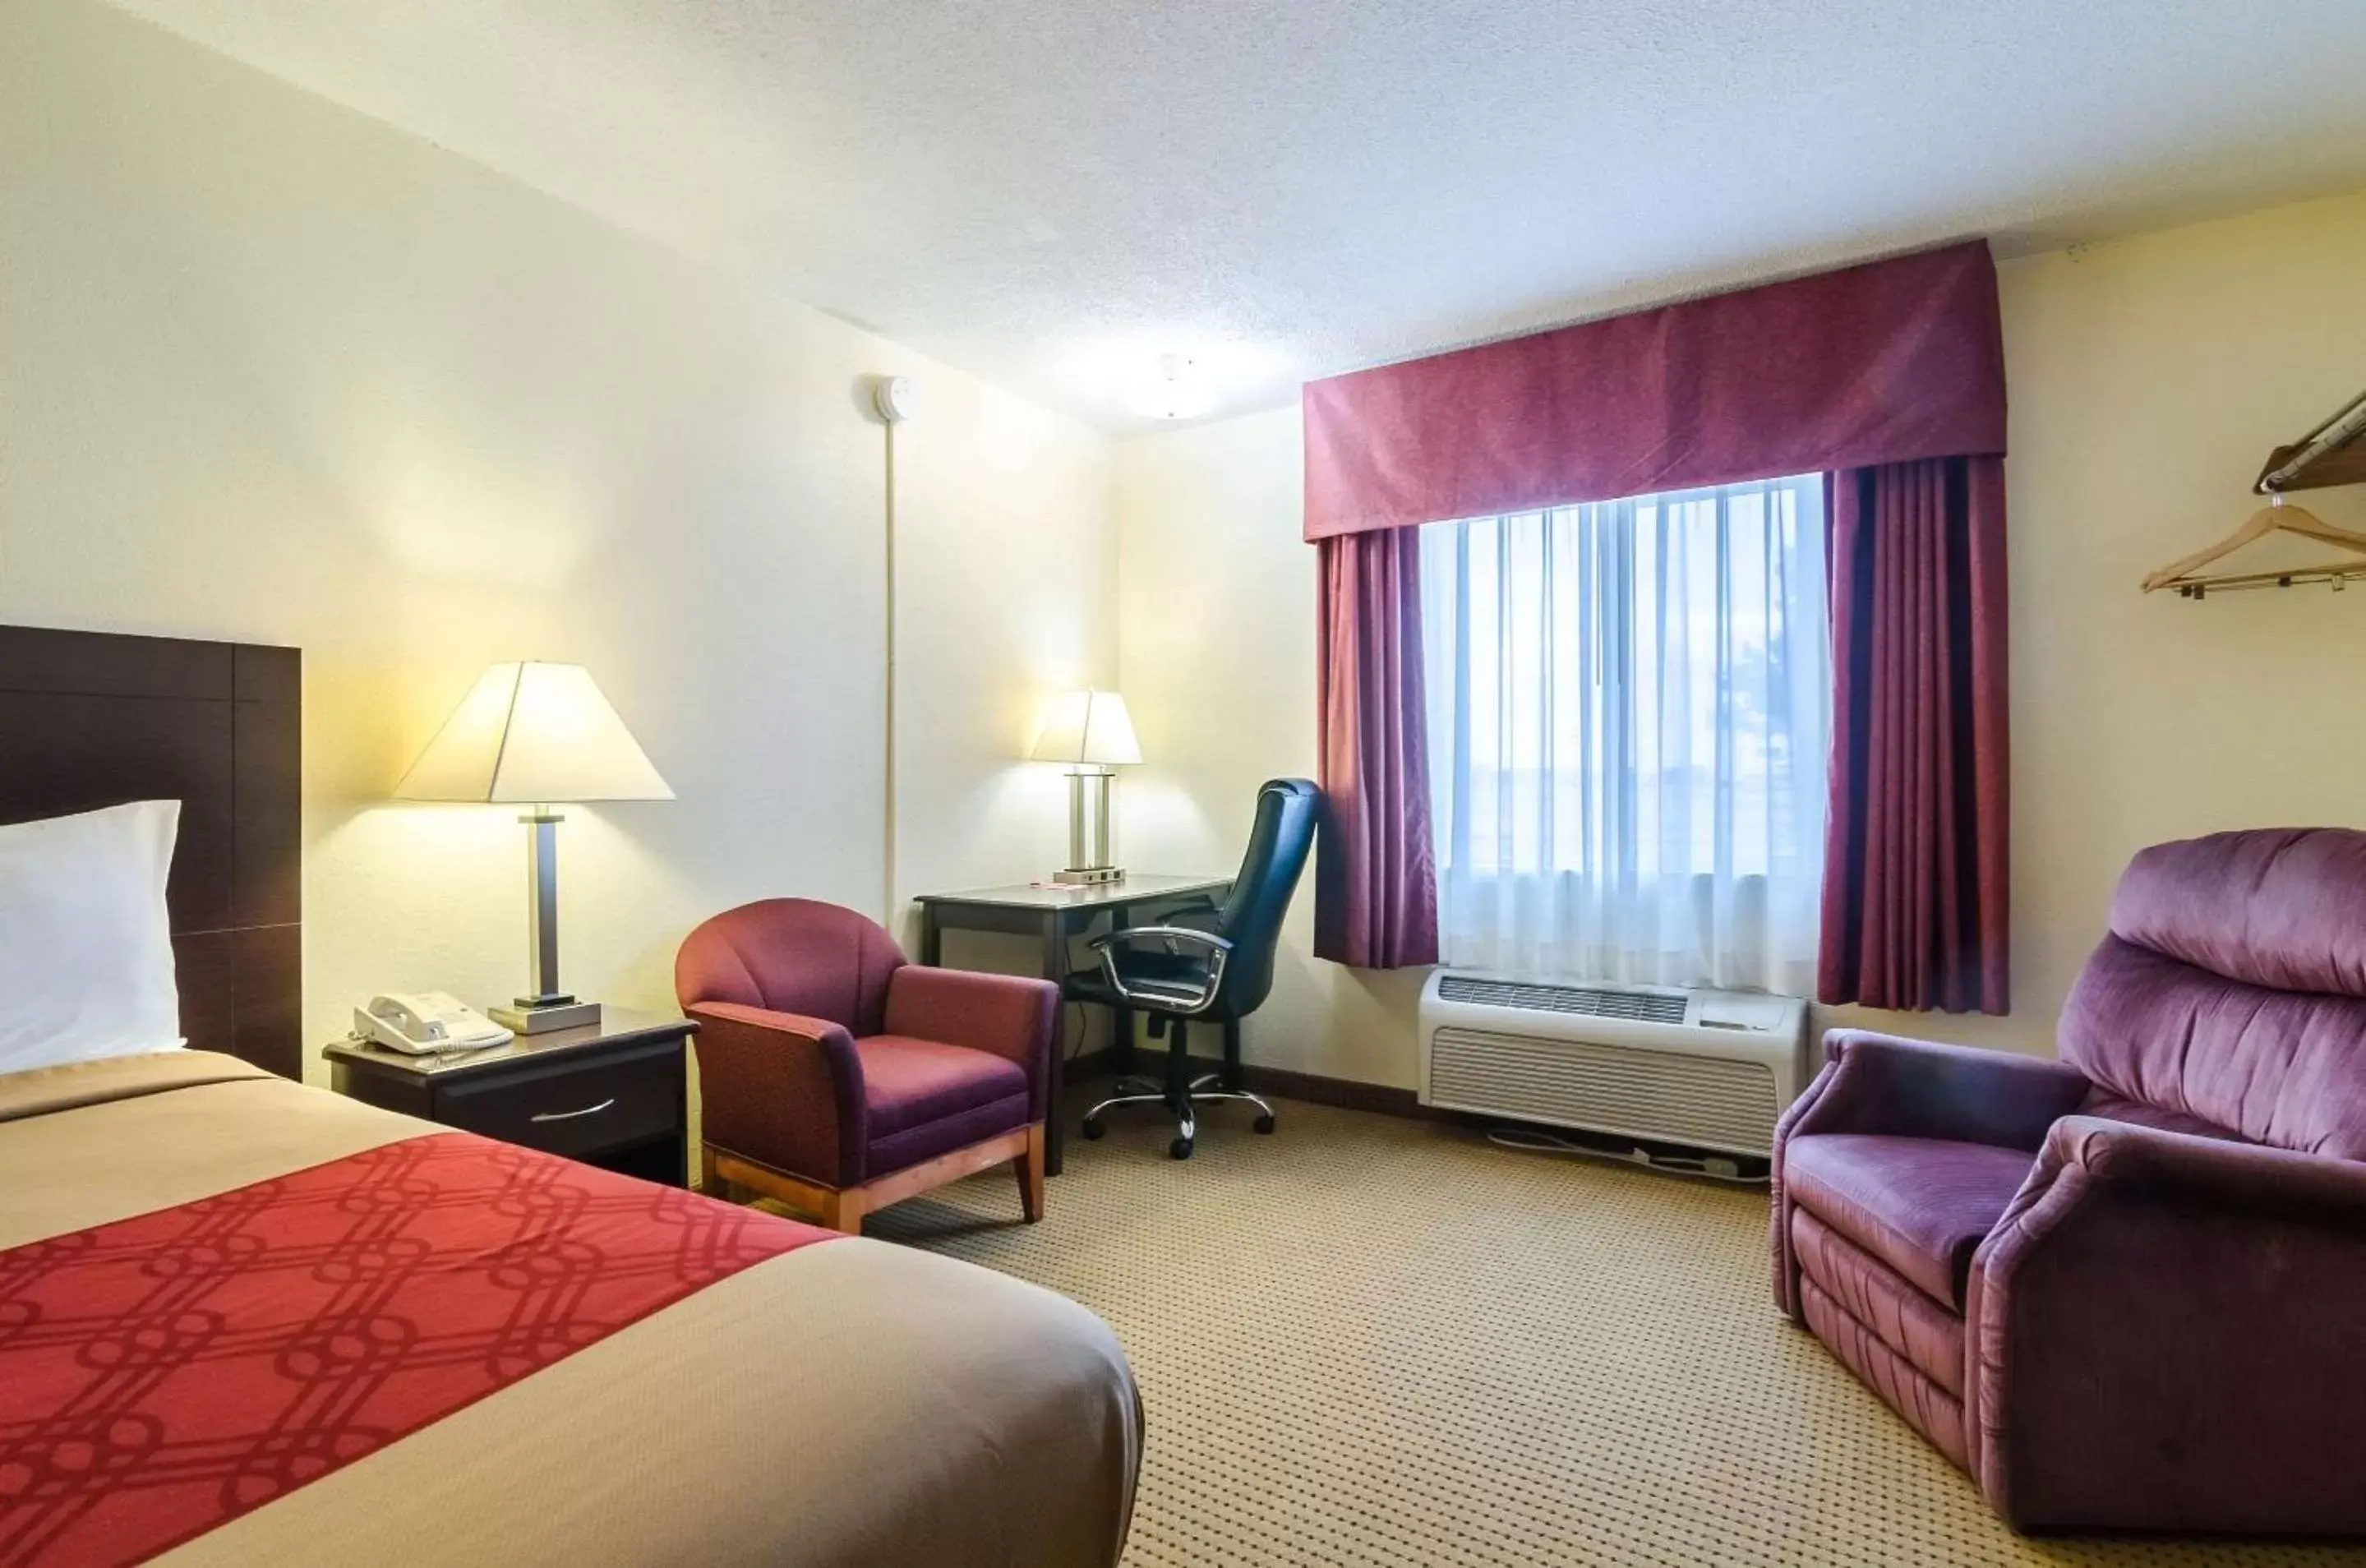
(1055,969)
(1121,1018)
(1054,932)
(1056,927)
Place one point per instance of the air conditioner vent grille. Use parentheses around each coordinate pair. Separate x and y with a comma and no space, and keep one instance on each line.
(1643,1007)
(1708,1101)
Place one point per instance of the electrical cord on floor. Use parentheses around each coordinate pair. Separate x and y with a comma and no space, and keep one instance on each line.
(1712,1168)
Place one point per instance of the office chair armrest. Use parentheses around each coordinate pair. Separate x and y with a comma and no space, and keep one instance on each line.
(1218,951)
(1171,933)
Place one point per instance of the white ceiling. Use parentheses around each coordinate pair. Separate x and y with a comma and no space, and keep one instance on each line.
(1052,193)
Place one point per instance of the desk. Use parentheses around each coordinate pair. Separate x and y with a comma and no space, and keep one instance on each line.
(1055,916)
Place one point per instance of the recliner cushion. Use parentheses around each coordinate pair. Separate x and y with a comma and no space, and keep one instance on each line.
(908,1083)
(2231,988)
(1921,1206)
(1920,1403)
(2276,909)
(2286,1068)
(1917,1328)
(2110,1107)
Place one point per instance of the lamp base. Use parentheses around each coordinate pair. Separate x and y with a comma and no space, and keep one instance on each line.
(531,1016)
(1088,830)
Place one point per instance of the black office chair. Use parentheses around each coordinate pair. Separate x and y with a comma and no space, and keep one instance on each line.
(1180,972)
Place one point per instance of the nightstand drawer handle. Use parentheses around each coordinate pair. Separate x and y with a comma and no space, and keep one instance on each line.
(572,1115)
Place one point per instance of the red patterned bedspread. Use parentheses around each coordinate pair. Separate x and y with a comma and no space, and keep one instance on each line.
(162,1375)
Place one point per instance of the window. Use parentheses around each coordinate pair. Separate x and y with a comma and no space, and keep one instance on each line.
(1629,704)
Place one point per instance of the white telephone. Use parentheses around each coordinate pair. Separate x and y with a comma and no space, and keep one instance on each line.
(421,1022)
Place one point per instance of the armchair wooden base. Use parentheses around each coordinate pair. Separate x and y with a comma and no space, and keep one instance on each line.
(843,1208)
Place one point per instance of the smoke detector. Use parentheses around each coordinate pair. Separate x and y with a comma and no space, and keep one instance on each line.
(893,398)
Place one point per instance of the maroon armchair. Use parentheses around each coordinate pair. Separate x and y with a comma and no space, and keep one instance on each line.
(838,1079)
(2126,1288)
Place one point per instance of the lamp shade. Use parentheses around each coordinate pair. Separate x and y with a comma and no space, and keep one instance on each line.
(1089,728)
(533,732)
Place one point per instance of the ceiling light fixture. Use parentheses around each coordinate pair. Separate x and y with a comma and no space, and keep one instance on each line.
(1176,390)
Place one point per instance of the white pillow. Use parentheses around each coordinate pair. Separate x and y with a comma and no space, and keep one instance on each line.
(85,945)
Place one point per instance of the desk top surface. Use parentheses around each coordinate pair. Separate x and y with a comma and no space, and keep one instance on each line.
(1136,886)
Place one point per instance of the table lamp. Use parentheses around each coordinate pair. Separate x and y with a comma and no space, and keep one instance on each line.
(1090,732)
(536,733)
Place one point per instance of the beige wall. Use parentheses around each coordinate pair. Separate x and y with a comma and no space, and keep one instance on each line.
(271,371)
(2148,379)
(1216,659)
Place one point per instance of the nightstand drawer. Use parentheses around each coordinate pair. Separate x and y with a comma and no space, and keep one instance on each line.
(574,1108)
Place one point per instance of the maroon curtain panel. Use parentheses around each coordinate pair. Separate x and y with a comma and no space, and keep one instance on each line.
(1376,879)
(1882,363)
(1915,885)
(1890,378)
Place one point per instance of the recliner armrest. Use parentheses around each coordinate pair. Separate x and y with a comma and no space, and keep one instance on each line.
(1008,1016)
(2163,1333)
(1918,1088)
(783,1089)
(1914,1089)
(2192,1176)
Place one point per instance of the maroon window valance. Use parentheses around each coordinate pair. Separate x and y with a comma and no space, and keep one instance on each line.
(1885,362)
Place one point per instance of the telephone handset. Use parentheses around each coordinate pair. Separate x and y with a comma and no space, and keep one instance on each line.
(423,1022)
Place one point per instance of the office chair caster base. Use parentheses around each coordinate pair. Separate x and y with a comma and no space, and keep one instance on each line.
(1184,1105)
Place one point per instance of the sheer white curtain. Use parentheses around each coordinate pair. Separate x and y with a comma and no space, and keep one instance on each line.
(1629,704)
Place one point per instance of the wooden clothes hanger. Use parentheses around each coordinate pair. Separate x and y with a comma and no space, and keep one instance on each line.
(2276,516)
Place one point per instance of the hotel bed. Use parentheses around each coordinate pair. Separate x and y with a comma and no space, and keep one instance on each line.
(244,1320)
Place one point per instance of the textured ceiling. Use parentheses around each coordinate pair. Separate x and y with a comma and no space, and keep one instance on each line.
(1053,193)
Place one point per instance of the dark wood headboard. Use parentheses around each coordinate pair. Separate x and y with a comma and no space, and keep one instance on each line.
(90,719)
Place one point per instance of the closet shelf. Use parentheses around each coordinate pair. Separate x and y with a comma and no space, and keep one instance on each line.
(2332,454)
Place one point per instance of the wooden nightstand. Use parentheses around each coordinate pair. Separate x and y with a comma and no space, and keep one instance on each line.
(612,1094)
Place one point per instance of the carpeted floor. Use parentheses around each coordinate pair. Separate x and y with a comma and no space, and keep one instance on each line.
(1369,1341)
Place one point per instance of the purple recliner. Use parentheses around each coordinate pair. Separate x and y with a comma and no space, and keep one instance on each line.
(2126,1288)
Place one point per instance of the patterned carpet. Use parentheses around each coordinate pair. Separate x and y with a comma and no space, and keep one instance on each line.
(1371,1341)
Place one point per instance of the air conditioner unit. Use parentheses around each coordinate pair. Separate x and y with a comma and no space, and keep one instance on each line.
(1708,1070)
